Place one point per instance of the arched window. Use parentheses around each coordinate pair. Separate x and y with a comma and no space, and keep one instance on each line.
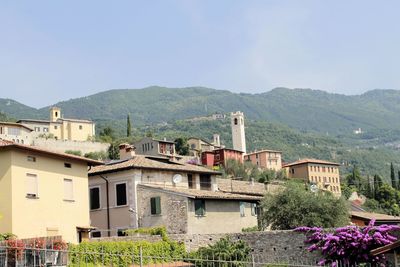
(236,121)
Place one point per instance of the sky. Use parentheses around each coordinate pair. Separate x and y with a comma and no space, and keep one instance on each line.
(56,50)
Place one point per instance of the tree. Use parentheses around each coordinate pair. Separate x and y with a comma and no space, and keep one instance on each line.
(392,176)
(107,135)
(182,146)
(377,183)
(128,126)
(113,151)
(398,180)
(354,179)
(294,207)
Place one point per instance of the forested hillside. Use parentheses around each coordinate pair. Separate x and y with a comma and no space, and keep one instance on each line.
(304,109)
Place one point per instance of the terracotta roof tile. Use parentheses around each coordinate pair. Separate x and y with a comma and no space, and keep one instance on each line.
(141,161)
(202,194)
(241,187)
(264,150)
(376,216)
(316,161)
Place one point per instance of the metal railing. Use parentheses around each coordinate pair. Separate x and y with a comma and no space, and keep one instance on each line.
(40,257)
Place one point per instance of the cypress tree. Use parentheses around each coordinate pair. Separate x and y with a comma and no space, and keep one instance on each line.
(392,176)
(128,126)
(398,180)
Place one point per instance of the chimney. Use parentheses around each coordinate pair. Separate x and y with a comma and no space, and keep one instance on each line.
(126,151)
(217,141)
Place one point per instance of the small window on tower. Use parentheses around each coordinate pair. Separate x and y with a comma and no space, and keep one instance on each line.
(236,121)
(56,114)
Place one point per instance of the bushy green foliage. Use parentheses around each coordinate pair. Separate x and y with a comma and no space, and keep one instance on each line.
(250,229)
(6,236)
(161,231)
(119,253)
(294,207)
(99,155)
(224,250)
(74,152)
(182,146)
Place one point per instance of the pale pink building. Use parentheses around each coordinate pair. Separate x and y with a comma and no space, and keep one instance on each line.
(266,159)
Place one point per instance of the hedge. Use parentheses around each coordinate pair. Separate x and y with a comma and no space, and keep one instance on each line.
(124,253)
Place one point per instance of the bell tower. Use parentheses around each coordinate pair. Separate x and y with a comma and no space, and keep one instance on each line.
(55,114)
(238,135)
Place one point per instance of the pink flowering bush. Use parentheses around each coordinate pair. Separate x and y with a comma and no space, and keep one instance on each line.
(350,244)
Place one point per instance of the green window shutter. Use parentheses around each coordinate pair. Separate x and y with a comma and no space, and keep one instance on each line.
(155,205)
(158,205)
(199,207)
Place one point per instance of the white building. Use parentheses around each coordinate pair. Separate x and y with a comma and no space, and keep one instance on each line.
(238,135)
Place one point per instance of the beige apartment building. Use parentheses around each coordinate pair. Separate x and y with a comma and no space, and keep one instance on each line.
(147,191)
(15,132)
(266,159)
(61,128)
(324,174)
(197,145)
(43,193)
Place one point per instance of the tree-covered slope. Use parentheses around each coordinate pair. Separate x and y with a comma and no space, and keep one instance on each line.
(304,109)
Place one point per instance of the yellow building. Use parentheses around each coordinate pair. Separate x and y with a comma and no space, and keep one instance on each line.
(43,193)
(324,174)
(61,128)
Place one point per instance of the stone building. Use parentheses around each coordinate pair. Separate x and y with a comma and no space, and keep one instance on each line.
(197,145)
(238,132)
(147,191)
(323,174)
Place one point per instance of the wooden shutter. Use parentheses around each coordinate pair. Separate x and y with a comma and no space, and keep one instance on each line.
(31,185)
(155,205)
(68,189)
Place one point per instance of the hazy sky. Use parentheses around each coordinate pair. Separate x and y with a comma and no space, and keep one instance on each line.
(56,50)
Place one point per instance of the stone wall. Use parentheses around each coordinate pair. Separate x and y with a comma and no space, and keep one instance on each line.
(268,246)
(63,145)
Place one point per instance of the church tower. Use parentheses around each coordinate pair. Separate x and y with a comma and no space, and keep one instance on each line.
(238,136)
(55,114)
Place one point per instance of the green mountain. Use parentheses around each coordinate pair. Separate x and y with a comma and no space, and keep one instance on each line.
(300,122)
(304,109)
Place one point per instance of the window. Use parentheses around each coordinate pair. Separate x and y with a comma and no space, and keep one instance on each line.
(205,182)
(155,206)
(31,158)
(235,121)
(120,191)
(31,185)
(121,232)
(55,128)
(67,165)
(80,127)
(199,207)
(292,170)
(22,141)
(68,189)
(191,182)
(96,234)
(253,209)
(94,198)
(13,131)
(1,130)
(37,129)
(242,207)
(45,129)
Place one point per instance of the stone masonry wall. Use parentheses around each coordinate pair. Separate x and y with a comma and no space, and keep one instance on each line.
(267,247)
(63,145)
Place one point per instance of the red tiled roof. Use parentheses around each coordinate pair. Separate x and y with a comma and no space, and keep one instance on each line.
(202,194)
(241,187)
(146,162)
(4,144)
(316,161)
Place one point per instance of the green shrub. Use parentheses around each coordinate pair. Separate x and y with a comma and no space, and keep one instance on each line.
(250,229)
(7,236)
(74,152)
(224,253)
(161,231)
(124,253)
